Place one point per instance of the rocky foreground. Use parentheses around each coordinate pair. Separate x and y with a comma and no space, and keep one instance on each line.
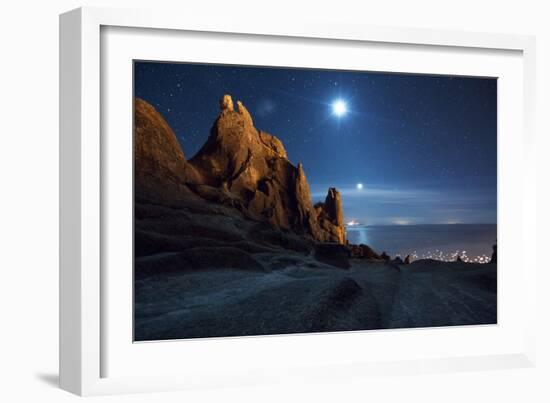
(203,271)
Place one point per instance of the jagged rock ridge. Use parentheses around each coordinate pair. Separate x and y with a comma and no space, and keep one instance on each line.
(238,165)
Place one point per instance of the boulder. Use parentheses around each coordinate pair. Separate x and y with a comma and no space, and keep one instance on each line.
(397,260)
(363,251)
(333,254)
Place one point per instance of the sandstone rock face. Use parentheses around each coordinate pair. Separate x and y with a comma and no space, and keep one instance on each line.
(160,167)
(330,216)
(239,166)
(226,103)
(363,251)
(253,166)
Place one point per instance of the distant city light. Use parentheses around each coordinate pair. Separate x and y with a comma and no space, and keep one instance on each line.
(401,222)
(449,256)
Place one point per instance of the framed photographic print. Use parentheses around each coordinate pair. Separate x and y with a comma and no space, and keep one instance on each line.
(234,202)
(234,237)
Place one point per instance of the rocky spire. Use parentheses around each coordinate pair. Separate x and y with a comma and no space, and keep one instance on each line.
(226,103)
(247,119)
(333,207)
(330,215)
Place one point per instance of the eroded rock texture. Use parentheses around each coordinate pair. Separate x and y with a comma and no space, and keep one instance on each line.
(239,166)
(161,172)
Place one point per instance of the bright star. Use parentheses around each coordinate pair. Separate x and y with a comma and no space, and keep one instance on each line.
(359,186)
(339,108)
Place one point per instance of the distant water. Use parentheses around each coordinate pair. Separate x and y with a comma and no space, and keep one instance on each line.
(424,241)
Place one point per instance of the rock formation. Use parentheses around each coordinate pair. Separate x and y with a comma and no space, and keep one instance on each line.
(333,254)
(363,251)
(397,260)
(330,216)
(239,166)
(160,167)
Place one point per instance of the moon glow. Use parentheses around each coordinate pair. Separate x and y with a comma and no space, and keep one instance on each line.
(339,108)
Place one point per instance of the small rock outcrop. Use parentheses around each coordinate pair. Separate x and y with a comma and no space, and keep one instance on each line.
(397,260)
(407,259)
(333,254)
(494,255)
(363,251)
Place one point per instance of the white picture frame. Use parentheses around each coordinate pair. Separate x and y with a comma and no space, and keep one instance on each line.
(85,343)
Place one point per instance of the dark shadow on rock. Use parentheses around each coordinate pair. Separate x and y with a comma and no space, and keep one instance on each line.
(332,253)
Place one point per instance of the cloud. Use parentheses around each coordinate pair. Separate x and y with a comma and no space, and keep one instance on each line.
(369,191)
(391,205)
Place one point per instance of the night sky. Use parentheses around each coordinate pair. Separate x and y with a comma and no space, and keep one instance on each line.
(424,148)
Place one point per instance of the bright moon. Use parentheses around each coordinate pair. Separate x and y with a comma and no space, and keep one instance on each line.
(339,108)
(359,186)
